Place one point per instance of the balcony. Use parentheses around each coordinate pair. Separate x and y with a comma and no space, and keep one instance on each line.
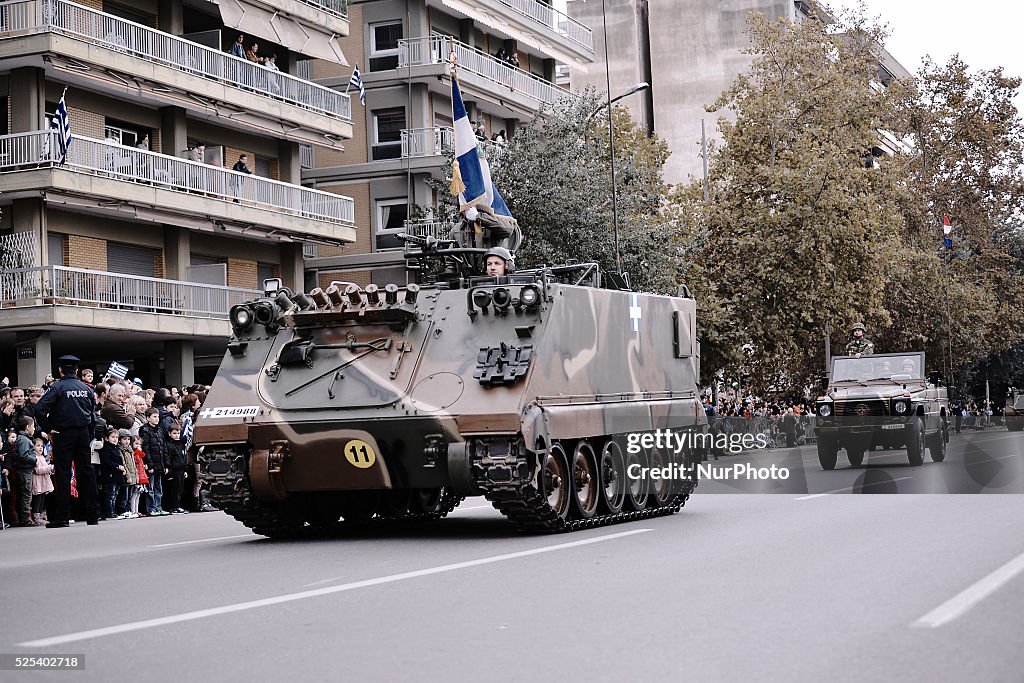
(55,296)
(479,72)
(427,142)
(108,178)
(141,62)
(310,27)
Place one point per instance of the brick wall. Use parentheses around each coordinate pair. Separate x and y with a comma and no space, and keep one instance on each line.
(86,123)
(360,277)
(86,252)
(242,273)
(351,46)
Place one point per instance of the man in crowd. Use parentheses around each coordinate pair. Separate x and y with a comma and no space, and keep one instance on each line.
(113,408)
(69,411)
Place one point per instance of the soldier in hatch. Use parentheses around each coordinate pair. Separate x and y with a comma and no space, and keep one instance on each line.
(859,345)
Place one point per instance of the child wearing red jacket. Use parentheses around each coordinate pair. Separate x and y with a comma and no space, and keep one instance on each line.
(140,467)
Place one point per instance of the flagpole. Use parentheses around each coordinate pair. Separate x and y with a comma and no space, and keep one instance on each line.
(611,140)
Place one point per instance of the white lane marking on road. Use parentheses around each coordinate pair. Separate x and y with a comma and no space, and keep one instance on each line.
(850,488)
(203,540)
(302,595)
(972,595)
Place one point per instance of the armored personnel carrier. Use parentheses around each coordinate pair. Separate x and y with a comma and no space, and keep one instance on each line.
(881,400)
(1013,411)
(365,404)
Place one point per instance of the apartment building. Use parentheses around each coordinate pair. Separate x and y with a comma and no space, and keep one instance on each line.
(136,246)
(689,51)
(400,137)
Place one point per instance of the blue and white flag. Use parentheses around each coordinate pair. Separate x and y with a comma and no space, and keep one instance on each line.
(356,81)
(62,125)
(471,174)
(117,370)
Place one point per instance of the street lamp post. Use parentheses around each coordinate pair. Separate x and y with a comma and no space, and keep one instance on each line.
(611,137)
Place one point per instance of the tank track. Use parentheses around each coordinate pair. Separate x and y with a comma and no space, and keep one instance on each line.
(527,508)
(224,471)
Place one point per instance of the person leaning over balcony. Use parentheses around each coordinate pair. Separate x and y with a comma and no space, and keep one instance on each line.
(241,166)
(275,80)
(238,47)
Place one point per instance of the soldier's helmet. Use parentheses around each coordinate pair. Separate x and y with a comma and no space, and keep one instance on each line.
(505,255)
(857,326)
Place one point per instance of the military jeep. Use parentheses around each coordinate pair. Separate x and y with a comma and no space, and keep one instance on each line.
(1013,411)
(881,400)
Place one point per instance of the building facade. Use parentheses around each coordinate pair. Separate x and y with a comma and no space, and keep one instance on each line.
(401,136)
(134,247)
(689,51)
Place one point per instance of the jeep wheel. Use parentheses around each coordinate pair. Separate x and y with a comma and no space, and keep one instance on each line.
(937,446)
(827,453)
(916,443)
(855,457)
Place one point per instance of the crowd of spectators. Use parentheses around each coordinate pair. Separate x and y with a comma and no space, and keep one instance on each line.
(139,453)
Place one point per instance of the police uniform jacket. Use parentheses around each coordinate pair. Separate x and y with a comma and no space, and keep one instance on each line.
(68,403)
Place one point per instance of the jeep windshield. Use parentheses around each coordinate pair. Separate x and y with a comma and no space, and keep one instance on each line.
(891,367)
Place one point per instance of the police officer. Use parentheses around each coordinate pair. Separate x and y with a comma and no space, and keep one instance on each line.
(859,345)
(69,410)
(498,261)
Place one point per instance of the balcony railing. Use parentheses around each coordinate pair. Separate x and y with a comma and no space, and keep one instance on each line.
(38,149)
(554,20)
(57,285)
(336,7)
(438,230)
(427,142)
(22,17)
(437,50)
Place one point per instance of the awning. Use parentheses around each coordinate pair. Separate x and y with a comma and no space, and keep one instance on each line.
(498,23)
(301,37)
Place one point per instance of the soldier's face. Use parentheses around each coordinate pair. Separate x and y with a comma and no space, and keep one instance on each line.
(495,265)
(858,334)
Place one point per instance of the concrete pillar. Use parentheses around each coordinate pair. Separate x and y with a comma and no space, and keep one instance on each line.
(288,62)
(29,215)
(179,363)
(170,14)
(292,267)
(27,99)
(288,166)
(419,21)
(34,357)
(173,131)
(177,252)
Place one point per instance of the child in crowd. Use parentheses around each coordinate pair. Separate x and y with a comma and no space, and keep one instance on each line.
(178,466)
(129,490)
(156,463)
(112,468)
(140,470)
(21,464)
(41,483)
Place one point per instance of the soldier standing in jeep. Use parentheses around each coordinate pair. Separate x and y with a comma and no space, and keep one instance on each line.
(859,345)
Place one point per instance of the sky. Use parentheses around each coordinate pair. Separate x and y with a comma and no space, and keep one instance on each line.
(985,34)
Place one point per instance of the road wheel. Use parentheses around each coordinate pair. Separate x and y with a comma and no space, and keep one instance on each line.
(855,457)
(637,488)
(916,443)
(661,488)
(827,452)
(937,446)
(555,482)
(612,469)
(395,503)
(586,482)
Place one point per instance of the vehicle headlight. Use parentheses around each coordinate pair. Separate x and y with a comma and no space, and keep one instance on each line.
(529,296)
(901,407)
(241,317)
(825,409)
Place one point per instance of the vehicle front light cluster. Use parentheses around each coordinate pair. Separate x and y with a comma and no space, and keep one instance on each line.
(241,318)
(901,407)
(824,409)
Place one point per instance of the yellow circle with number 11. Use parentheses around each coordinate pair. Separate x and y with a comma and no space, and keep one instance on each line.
(360,453)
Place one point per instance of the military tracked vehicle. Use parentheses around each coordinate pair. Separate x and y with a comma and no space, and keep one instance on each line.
(358,405)
(1013,411)
(881,400)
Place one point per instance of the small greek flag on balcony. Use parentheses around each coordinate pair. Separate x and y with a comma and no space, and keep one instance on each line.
(117,370)
(356,81)
(62,125)
(471,175)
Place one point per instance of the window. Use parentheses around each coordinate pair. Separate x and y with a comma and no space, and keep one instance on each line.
(120,134)
(55,249)
(262,166)
(391,217)
(264,271)
(387,133)
(131,259)
(384,39)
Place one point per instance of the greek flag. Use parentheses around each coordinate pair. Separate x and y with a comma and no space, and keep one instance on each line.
(187,430)
(356,81)
(62,125)
(117,370)
(471,174)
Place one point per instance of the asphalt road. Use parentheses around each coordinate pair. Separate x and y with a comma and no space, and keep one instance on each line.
(801,585)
